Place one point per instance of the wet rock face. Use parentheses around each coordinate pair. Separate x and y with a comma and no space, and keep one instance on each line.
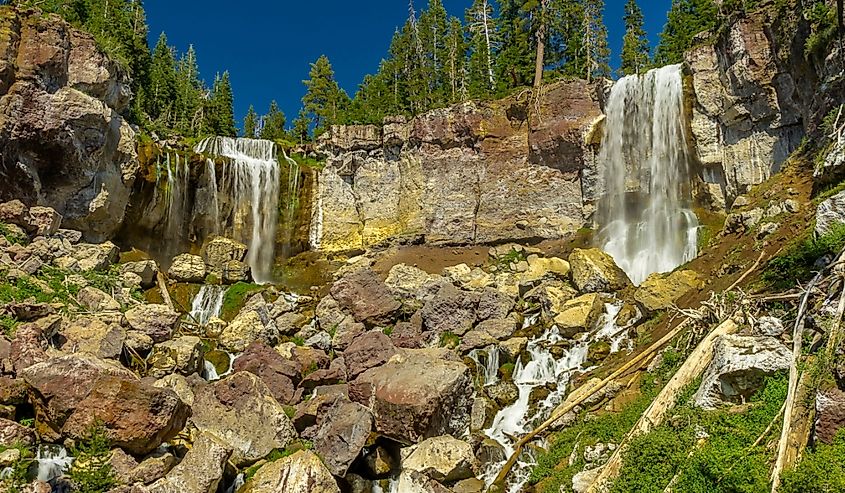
(475,172)
(64,140)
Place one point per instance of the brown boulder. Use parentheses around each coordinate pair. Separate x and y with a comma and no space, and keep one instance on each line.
(366,297)
(368,350)
(343,433)
(278,374)
(451,310)
(830,414)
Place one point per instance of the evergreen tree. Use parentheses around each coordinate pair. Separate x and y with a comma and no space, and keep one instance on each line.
(433,31)
(219,112)
(516,58)
(635,48)
(324,101)
(300,130)
(189,94)
(372,101)
(595,45)
(687,18)
(273,124)
(456,61)
(161,91)
(482,41)
(251,123)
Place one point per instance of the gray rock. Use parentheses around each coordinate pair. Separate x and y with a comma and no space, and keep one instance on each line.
(830,214)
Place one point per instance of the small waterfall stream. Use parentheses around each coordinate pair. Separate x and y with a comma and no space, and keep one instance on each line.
(251,178)
(645,150)
(207,304)
(487,362)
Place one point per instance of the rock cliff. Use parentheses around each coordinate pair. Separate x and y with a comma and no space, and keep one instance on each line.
(63,139)
(480,172)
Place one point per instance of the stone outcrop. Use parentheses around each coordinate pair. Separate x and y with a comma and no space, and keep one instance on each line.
(659,291)
(476,172)
(830,214)
(302,472)
(64,141)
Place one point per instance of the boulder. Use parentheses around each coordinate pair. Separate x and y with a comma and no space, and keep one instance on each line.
(241,411)
(183,355)
(343,433)
(366,297)
(830,214)
(660,291)
(86,257)
(579,314)
(417,482)
(236,271)
(443,458)
(200,471)
(187,268)
(247,327)
(280,375)
(156,321)
(410,284)
(416,396)
(44,221)
(96,300)
(218,252)
(541,268)
(12,433)
(151,469)
(93,336)
(302,472)
(494,304)
(145,269)
(594,271)
(830,414)
(451,310)
(739,368)
(72,393)
(368,350)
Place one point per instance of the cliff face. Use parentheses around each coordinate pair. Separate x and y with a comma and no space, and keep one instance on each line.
(754,96)
(473,173)
(63,139)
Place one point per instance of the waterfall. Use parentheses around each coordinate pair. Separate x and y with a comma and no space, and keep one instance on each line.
(291,205)
(177,197)
(645,150)
(207,303)
(53,461)
(251,178)
(487,362)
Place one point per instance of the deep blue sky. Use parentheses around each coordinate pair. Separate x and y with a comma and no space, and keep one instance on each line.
(267,45)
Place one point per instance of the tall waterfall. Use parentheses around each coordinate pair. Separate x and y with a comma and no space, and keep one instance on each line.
(251,178)
(645,150)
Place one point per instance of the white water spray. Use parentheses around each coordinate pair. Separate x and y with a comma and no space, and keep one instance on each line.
(207,304)
(645,150)
(487,363)
(251,177)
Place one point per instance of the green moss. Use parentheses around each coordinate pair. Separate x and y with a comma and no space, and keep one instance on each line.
(278,454)
(507,371)
(820,470)
(387,331)
(12,235)
(235,298)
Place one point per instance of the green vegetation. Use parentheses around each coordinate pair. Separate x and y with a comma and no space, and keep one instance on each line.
(450,340)
(511,258)
(13,235)
(277,454)
(635,49)
(92,472)
(16,479)
(820,470)
(822,17)
(687,18)
(235,297)
(796,262)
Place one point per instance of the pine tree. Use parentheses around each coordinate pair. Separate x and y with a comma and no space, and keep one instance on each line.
(251,123)
(273,123)
(300,130)
(687,18)
(456,61)
(595,41)
(433,31)
(635,50)
(219,111)
(516,59)
(482,41)
(324,100)
(189,94)
(161,91)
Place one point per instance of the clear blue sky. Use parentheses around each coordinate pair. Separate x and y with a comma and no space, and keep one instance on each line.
(267,45)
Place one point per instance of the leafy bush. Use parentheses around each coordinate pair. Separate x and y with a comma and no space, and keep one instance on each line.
(91,471)
(797,261)
(821,470)
(17,478)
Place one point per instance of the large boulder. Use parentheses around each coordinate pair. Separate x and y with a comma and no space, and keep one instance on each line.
(248,326)
(660,291)
(62,105)
(368,350)
(183,355)
(442,458)
(411,284)
(739,368)
(579,314)
(13,433)
(241,411)
(93,335)
(156,321)
(416,396)
(72,393)
(145,269)
(594,271)
(200,471)
(366,297)
(302,472)
(830,214)
(830,414)
(187,268)
(343,433)
(450,310)
(280,375)
(219,252)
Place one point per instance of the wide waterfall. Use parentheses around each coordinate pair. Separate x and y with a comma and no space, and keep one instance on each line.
(251,180)
(644,214)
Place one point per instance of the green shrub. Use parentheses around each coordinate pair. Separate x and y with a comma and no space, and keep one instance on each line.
(797,260)
(450,340)
(17,477)
(91,471)
(820,471)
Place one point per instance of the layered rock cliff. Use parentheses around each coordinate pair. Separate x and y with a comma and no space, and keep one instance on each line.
(63,138)
(481,172)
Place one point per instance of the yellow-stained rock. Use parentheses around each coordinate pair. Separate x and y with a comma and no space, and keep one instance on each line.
(660,291)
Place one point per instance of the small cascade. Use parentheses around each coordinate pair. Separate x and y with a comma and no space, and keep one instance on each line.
(207,304)
(236,484)
(541,369)
(487,362)
(53,461)
(177,172)
(251,180)
(645,150)
(290,206)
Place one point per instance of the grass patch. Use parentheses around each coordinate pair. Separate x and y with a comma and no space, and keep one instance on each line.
(798,258)
(513,257)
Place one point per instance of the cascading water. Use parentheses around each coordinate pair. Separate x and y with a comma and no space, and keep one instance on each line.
(177,197)
(207,304)
(291,205)
(251,177)
(52,461)
(487,363)
(645,150)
